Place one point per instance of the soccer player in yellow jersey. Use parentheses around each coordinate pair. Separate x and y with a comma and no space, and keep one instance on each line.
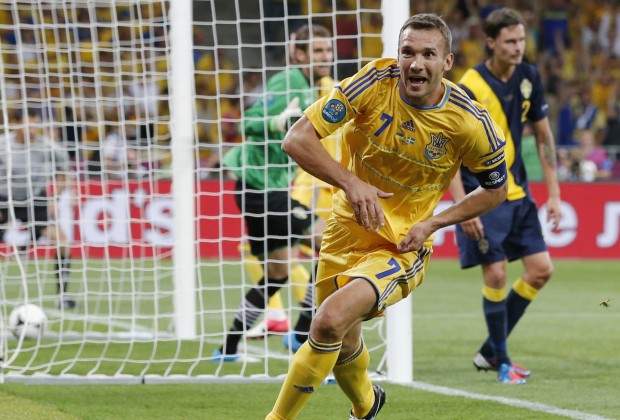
(406,130)
(513,93)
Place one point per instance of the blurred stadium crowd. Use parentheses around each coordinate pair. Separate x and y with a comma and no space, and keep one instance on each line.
(101,78)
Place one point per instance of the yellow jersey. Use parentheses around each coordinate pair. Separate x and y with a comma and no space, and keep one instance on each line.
(410,151)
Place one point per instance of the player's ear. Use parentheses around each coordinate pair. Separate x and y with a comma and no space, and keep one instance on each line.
(448,62)
(301,56)
(490,43)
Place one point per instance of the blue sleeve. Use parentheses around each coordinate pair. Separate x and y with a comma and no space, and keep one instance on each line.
(539,108)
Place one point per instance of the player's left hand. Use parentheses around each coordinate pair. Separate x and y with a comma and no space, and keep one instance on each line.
(554,214)
(416,237)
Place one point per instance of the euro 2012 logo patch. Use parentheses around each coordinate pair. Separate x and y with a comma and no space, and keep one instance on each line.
(334,111)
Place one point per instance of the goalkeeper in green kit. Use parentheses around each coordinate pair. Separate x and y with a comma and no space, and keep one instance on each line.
(264,173)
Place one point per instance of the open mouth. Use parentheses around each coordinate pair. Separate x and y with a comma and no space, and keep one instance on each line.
(416,80)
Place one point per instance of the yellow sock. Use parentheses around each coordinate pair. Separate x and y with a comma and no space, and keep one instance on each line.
(525,290)
(494,295)
(254,268)
(300,277)
(310,366)
(353,379)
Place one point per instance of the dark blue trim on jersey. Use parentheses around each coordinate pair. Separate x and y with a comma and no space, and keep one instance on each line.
(468,92)
(476,111)
(360,85)
(482,116)
(442,103)
(418,265)
(373,72)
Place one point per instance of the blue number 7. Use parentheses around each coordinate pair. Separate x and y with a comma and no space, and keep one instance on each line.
(395,267)
(388,119)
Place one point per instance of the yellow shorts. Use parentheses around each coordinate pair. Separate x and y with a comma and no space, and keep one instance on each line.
(348,251)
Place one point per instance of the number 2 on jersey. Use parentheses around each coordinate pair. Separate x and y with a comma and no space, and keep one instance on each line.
(526,108)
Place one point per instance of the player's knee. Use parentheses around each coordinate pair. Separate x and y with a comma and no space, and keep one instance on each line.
(277,270)
(543,275)
(326,326)
(494,275)
(495,279)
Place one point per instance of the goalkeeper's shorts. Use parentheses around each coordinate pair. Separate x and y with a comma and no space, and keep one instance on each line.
(273,219)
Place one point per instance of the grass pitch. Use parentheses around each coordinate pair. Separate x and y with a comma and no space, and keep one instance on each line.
(569,338)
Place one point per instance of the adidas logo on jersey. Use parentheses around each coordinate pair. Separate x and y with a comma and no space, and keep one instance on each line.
(408,125)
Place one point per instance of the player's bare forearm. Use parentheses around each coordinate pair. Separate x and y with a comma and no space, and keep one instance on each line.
(473,228)
(456,187)
(303,144)
(477,202)
(547,155)
(472,205)
(548,161)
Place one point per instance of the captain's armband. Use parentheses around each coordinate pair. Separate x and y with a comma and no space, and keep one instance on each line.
(493,178)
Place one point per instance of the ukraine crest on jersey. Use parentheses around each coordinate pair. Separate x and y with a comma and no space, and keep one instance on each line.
(410,151)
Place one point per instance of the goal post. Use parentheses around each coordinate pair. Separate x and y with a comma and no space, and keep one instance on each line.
(183,179)
(145,97)
(399,316)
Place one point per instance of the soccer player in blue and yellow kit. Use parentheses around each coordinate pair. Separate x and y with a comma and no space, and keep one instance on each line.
(512,92)
(406,130)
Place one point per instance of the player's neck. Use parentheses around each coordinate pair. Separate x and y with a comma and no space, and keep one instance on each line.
(306,72)
(503,71)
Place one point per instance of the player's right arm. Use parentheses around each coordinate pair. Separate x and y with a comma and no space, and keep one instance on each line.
(351,97)
(303,144)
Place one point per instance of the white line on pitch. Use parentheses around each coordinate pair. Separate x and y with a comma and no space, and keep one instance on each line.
(529,315)
(513,402)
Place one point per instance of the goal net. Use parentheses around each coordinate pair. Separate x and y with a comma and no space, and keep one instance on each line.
(133,105)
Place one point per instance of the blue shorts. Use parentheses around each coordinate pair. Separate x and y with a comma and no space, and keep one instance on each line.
(512,231)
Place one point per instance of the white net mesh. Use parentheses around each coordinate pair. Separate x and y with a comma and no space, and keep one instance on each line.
(97,74)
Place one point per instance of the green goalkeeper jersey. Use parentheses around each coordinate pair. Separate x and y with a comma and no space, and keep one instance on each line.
(260,160)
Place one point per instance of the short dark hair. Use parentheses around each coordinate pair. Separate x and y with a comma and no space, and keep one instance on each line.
(305,32)
(429,21)
(497,20)
(500,19)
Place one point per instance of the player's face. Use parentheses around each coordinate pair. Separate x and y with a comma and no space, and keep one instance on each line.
(422,60)
(321,58)
(509,46)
